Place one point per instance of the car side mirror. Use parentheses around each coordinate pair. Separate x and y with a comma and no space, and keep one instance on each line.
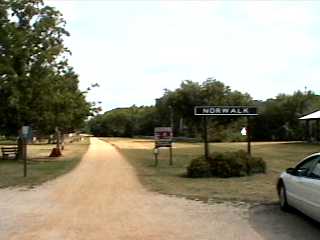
(291,171)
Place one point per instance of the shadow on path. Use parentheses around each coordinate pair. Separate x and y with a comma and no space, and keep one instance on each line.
(272,223)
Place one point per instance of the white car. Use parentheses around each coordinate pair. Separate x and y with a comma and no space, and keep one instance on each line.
(299,187)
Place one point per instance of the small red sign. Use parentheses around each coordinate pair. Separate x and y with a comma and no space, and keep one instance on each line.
(163,136)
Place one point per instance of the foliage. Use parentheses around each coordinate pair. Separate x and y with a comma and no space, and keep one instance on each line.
(279,119)
(191,94)
(124,122)
(198,168)
(37,85)
(229,164)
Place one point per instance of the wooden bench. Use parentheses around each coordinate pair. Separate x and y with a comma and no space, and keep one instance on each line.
(9,152)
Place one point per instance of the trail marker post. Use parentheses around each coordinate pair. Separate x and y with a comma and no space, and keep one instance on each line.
(26,135)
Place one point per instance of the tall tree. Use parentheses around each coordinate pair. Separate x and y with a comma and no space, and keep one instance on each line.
(191,94)
(38,87)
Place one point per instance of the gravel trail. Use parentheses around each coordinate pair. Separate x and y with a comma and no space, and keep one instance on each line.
(103,199)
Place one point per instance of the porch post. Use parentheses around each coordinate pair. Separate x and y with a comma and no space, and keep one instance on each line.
(307,130)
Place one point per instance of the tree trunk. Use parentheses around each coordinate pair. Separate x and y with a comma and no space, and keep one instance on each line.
(62,141)
(56,152)
(58,137)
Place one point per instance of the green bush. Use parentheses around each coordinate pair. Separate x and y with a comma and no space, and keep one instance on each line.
(199,168)
(229,164)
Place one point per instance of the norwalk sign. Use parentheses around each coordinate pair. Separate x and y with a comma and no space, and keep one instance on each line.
(225,111)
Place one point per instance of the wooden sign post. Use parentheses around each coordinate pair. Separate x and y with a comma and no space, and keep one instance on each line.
(248,136)
(163,138)
(155,153)
(24,156)
(205,137)
(225,111)
(26,135)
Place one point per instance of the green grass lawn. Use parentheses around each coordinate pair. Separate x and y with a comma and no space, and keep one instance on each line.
(7,142)
(167,179)
(41,168)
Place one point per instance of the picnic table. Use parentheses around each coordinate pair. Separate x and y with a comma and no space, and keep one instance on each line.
(9,152)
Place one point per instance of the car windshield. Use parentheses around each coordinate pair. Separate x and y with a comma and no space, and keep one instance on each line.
(316,171)
(307,163)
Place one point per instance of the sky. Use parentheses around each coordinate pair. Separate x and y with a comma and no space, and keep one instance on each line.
(136,49)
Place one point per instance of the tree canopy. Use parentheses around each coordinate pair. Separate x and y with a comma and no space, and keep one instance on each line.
(279,119)
(38,87)
(124,122)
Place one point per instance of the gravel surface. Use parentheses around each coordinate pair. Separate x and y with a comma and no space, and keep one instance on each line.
(103,199)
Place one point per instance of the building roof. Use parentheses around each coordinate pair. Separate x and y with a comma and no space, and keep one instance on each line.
(314,115)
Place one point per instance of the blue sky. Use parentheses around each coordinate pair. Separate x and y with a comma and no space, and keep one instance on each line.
(135,49)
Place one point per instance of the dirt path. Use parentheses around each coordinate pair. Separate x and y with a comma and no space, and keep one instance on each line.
(102,199)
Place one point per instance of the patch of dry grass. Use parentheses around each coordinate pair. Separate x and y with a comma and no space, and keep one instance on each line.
(170,179)
(41,168)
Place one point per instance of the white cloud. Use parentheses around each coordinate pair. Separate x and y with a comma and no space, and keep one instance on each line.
(288,13)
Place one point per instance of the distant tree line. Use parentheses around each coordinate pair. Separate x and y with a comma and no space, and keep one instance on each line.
(124,122)
(278,119)
(38,87)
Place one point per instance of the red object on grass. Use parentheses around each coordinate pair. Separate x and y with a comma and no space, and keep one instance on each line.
(55,152)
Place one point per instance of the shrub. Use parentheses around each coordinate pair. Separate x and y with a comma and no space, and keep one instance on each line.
(229,164)
(257,165)
(199,168)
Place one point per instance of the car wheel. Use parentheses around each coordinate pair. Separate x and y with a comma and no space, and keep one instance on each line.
(283,198)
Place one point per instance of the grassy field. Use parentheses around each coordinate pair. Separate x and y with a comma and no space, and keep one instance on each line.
(7,142)
(170,180)
(41,168)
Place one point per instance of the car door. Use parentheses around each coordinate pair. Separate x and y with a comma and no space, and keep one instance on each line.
(295,183)
(311,191)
